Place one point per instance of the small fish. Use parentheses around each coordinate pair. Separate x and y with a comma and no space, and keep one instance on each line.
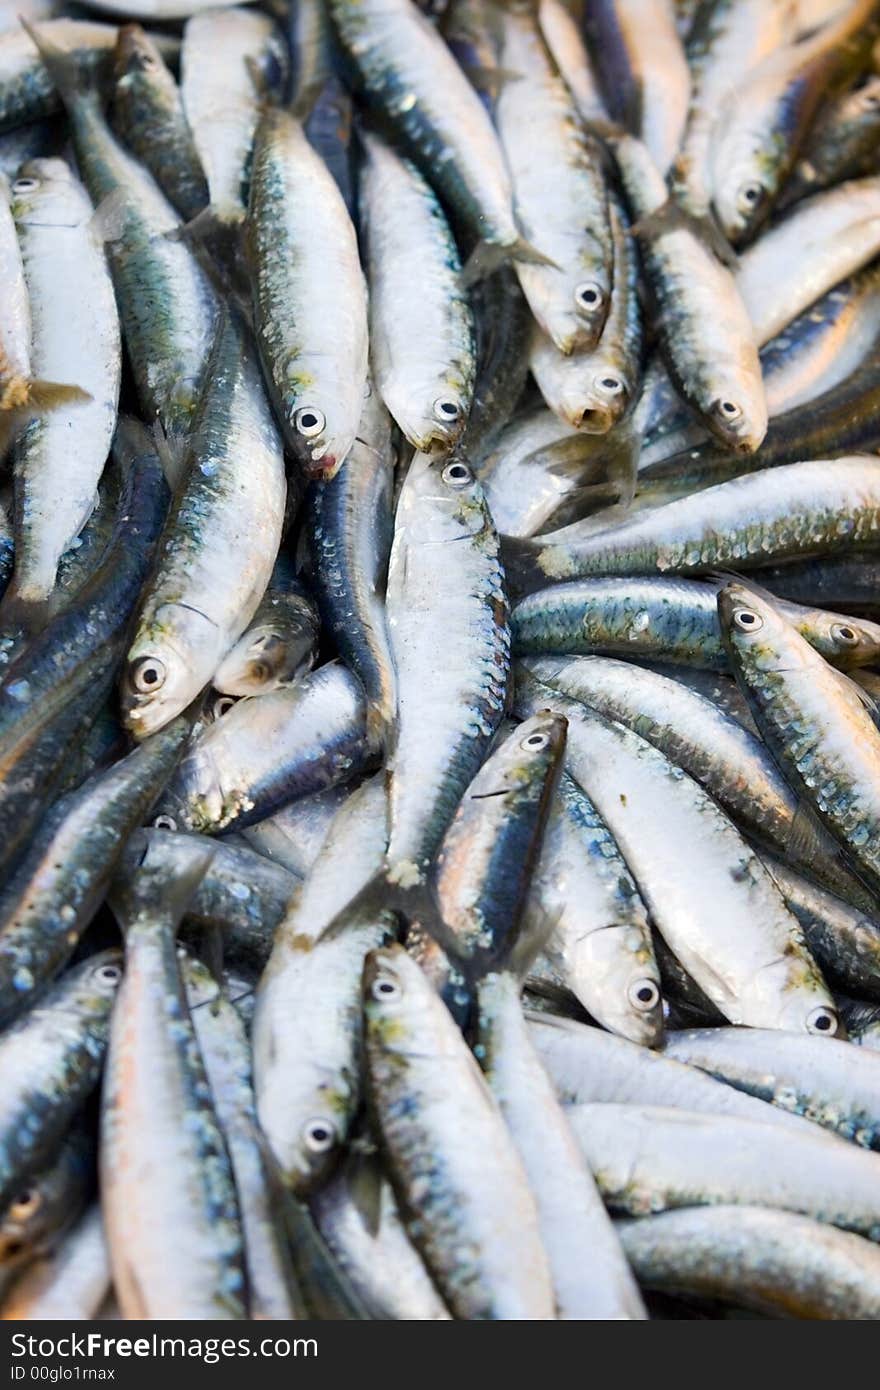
(308,289)
(54,1055)
(60,455)
(770,1261)
(219,545)
(350,523)
(446,716)
(468,1207)
(167,1184)
(422,346)
(148,114)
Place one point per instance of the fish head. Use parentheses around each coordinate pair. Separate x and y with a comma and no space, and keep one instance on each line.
(320,451)
(171,660)
(47,193)
(757,635)
(433,424)
(442,500)
(396,994)
(850,642)
(135,54)
(737,410)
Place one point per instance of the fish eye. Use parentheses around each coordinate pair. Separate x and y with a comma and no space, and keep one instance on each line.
(610,385)
(108,974)
(535,741)
(643,995)
(749,196)
(747,619)
(870,98)
(385,989)
(309,421)
(589,296)
(164,822)
(457,475)
(446,410)
(26,1203)
(25,185)
(729,410)
(147,675)
(319,1135)
(842,632)
(222,705)
(822,1021)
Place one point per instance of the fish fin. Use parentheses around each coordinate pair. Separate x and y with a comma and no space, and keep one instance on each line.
(71,78)
(364,1174)
(108,221)
(323,1289)
(671,215)
(45,396)
(491,79)
(488,256)
(534,936)
(26,615)
(522,564)
(808,837)
(160,896)
(862,695)
(171,449)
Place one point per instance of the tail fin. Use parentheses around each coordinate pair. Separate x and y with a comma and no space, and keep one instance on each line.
(522,565)
(22,394)
(73,80)
(489,256)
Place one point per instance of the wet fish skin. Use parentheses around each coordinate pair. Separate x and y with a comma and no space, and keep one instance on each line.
(167,306)
(308,289)
(486,1265)
(27,92)
(70,1282)
(307,1034)
(828,1085)
(559,190)
(774,1262)
(768,977)
(841,145)
(279,645)
(62,879)
(790,512)
(593,1067)
(60,454)
(272,1289)
(49,1201)
(422,355)
(219,544)
(55,1054)
(165,1171)
(814,722)
(350,524)
(571,1215)
(600,942)
(842,933)
(441,511)
(703,1160)
(233,60)
(383,1264)
(148,114)
(672,620)
(481,875)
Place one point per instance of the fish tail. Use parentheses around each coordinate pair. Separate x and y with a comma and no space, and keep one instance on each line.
(72,78)
(521,558)
(489,256)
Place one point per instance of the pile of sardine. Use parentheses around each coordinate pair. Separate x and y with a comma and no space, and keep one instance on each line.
(440,659)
